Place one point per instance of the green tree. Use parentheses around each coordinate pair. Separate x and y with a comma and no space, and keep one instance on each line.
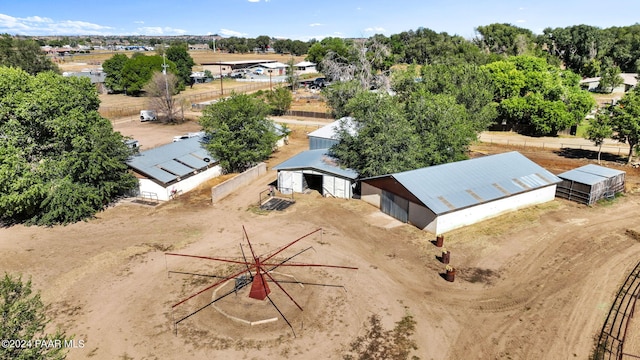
(378,343)
(445,128)
(384,141)
(113,68)
(610,79)
(336,46)
(598,130)
(178,54)
(60,161)
(469,84)
(24,317)
(505,39)
(338,95)
(625,120)
(536,97)
(138,70)
(279,100)
(576,45)
(24,54)
(263,42)
(241,134)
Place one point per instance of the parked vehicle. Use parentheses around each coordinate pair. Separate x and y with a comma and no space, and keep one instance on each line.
(187,136)
(258,71)
(148,115)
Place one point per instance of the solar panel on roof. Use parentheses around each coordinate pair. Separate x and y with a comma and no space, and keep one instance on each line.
(159,174)
(175,168)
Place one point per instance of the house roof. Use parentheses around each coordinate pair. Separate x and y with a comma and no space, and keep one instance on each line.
(305,64)
(590,174)
(317,160)
(274,65)
(627,79)
(329,131)
(453,186)
(169,162)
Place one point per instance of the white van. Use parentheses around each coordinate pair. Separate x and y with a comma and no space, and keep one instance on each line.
(148,115)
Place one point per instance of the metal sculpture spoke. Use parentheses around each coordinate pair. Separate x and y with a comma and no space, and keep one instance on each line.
(256,273)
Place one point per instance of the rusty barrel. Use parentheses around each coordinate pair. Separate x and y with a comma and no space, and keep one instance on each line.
(439,240)
(450,275)
(446,256)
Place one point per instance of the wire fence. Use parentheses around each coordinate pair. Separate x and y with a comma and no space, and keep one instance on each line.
(611,149)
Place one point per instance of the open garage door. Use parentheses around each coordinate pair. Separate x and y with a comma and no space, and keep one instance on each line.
(395,206)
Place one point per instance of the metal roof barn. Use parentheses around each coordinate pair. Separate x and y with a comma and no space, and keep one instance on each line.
(315,170)
(448,196)
(327,136)
(173,168)
(590,183)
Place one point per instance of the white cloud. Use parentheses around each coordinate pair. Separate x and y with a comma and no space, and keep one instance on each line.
(254,0)
(138,22)
(376,29)
(36,25)
(521,21)
(227,32)
(315,24)
(157,30)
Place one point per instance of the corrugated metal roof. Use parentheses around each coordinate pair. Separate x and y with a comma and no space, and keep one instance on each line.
(329,131)
(168,162)
(316,160)
(447,187)
(590,174)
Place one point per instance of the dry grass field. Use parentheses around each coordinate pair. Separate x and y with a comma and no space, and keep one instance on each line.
(119,105)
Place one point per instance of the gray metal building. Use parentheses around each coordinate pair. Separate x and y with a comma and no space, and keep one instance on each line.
(315,170)
(590,183)
(449,196)
(327,136)
(173,168)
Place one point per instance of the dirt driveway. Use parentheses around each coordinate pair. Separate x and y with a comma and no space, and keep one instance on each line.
(534,284)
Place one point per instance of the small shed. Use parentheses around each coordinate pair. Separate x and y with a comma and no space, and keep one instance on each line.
(315,170)
(327,136)
(590,183)
(305,67)
(174,168)
(449,196)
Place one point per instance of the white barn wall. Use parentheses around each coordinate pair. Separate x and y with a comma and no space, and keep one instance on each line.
(183,186)
(148,186)
(472,215)
(290,180)
(338,187)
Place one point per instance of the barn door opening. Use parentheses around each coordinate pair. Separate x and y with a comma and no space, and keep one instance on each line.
(313,182)
(395,206)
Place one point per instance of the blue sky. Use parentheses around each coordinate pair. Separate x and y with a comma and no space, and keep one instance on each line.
(301,19)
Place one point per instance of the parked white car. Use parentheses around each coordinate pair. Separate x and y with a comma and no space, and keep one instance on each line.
(148,115)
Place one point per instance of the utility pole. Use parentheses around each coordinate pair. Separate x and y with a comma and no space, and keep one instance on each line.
(166,85)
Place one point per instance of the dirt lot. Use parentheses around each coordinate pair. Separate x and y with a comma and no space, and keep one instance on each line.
(534,284)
